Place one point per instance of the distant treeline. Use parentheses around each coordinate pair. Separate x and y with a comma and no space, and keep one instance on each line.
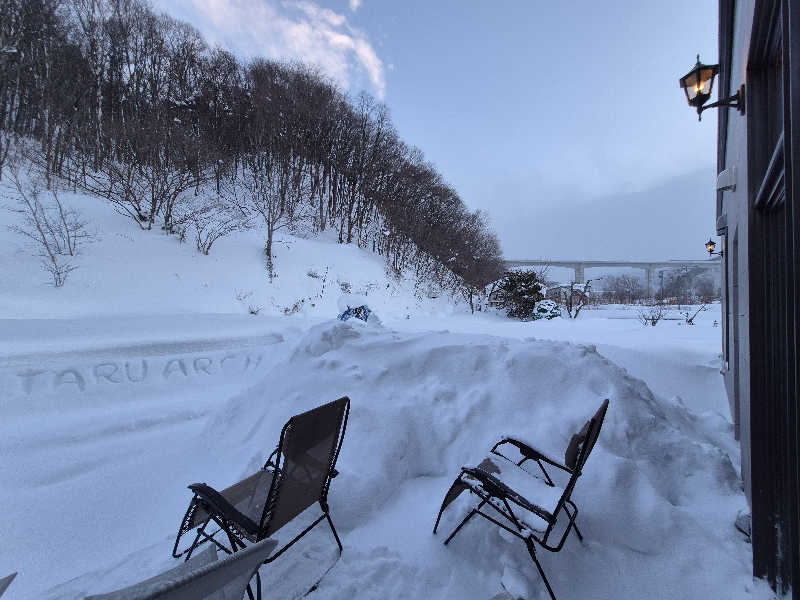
(135,106)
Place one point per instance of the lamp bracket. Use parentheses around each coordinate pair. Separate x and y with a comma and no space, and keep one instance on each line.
(735,101)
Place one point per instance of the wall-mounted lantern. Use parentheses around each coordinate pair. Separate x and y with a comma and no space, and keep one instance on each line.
(698,83)
(710,245)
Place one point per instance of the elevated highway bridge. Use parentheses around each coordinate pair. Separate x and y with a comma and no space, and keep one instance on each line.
(649,267)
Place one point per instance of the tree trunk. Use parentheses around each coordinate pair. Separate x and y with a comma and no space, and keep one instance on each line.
(268,254)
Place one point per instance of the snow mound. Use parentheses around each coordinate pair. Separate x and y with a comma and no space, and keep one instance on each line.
(423,405)
(658,496)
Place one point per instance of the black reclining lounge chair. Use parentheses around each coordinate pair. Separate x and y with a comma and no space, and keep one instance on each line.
(203,578)
(296,475)
(538,502)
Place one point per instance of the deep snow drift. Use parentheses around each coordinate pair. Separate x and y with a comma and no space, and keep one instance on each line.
(106,488)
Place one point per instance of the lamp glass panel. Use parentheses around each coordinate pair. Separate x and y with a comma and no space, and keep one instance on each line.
(691,84)
(706,81)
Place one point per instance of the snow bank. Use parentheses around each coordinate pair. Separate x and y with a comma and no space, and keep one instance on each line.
(673,358)
(657,488)
(423,405)
(658,497)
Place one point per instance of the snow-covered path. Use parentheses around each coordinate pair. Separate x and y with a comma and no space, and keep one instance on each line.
(103,437)
(91,407)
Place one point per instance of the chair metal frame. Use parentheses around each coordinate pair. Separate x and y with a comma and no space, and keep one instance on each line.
(238,527)
(496,494)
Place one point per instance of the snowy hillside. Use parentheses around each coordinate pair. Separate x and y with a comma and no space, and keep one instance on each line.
(130,271)
(145,372)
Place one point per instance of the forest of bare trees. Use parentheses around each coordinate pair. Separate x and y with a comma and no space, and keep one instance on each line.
(135,107)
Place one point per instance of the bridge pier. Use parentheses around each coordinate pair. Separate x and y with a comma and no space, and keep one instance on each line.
(649,273)
(580,275)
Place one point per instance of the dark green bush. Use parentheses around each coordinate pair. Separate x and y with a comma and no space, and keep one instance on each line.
(518,292)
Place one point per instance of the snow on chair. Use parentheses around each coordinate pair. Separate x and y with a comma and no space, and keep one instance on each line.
(538,502)
(203,578)
(296,475)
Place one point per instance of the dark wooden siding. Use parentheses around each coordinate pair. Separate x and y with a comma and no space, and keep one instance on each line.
(762,335)
(791,87)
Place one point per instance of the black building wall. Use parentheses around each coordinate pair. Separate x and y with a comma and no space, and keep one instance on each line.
(758,204)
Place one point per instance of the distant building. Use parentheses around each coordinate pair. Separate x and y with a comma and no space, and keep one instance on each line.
(758,218)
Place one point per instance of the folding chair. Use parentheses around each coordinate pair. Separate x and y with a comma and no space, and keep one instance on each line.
(296,475)
(203,578)
(538,502)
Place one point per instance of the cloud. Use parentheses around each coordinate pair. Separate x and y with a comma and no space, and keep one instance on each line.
(291,30)
(665,221)
(355,5)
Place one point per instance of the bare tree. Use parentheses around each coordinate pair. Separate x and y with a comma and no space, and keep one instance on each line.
(118,182)
(575,298)
(690,319)
(5,149)
(651,315)
(210,218)
(264,190)
(625,289)
(133,105)
(56,231)
(90,16)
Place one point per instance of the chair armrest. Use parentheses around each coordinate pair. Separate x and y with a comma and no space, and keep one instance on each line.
(492,485)
(530,453)
(218,505)
(496,488)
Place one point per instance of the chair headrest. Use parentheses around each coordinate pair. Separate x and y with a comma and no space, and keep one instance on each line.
(577,441)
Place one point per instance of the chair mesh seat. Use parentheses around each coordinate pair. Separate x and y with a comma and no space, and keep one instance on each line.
(530,488)
(246,496)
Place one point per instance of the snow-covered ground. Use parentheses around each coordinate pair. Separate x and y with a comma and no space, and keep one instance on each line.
(145,373)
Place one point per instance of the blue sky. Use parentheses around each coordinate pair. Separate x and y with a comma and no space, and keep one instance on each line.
(562,120)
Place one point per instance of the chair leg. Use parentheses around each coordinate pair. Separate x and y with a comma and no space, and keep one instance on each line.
(464,522)
(577,531)
(257,595)
(444,505)
(333,529)
(250,595)
(573,522)
(460,525)
(181,530)
(235,543)
(452,493)
(200,532)
(532,552)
